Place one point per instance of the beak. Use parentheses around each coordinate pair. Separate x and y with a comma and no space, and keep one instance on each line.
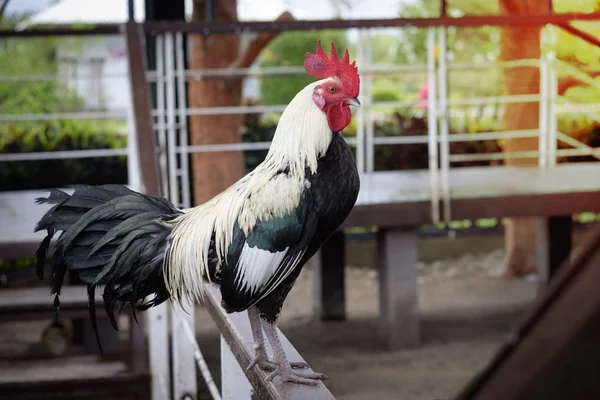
(353,102)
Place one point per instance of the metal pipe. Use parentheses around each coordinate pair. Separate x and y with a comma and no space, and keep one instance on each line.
(552,120)
(63,155)
(444,123)
(368,96)
(160,113)
(432,131)
(171,142)
(360,114)
(186,196)
(120,115)
(131,10)
(543,117)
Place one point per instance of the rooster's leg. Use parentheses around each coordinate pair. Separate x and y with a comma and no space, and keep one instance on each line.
(284,368)
(261,358)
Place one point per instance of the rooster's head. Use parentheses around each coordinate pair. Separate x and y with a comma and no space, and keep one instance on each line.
(339,88)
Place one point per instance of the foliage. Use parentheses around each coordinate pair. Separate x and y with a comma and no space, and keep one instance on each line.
(61,136)
(288,49)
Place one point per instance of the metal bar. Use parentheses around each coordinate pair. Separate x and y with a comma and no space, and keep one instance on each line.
(121,115)
(171,140)
(432,128)
(186,197)
(141,104)
(200,361)
(552,120)
(134,177)
(379,69)
(360,114)
(236,331)
(543,107)
(522,154)
(383,140)
(184,364)
(368,96)
(160,113)
(580,34)
(595,152)
(467,137)
(234,384)
(131,10)
(444,123)
(158,348)
(63,155)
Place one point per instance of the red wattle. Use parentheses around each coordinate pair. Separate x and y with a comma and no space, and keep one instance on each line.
(339,116)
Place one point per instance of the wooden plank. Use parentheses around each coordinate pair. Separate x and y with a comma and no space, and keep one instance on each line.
(558,318)
(140,93)
(235,329)
(234,384)
(398,300)
(329,303)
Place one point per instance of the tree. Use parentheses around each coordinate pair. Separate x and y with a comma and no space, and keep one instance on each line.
(524,43)
(214,172)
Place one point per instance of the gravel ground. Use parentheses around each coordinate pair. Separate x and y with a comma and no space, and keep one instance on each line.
(466,312)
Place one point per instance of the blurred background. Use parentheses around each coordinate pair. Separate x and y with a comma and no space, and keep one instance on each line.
(66,117)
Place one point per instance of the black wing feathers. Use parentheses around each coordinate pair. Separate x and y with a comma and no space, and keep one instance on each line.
(111,236)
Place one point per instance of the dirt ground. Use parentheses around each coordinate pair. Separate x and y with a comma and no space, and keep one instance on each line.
(466,312)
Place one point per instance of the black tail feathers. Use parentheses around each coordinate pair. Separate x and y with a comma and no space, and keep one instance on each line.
(112,237)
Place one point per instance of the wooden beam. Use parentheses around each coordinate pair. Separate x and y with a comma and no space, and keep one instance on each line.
(554,243)
(329,303)
(555,322)
(140,93)
(398,297)
(220,27)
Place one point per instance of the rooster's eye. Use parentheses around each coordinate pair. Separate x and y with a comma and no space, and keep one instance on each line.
(331,89)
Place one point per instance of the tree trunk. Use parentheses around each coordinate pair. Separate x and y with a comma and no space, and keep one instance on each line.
(214,172)
(520,43)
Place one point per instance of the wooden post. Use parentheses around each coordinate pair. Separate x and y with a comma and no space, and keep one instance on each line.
(329,279)
(399,319)
(553,245)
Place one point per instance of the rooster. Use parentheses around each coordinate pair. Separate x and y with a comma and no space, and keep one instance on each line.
(252,240)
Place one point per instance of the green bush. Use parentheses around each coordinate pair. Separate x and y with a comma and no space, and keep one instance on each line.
(26,137)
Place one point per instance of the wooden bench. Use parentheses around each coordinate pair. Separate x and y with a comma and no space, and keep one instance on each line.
(397,202)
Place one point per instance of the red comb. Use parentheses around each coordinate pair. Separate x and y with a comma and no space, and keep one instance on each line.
(321,66)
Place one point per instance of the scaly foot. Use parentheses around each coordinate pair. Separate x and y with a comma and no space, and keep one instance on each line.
(300,377)
(262,360)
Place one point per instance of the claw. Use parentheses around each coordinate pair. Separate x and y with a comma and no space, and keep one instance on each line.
(261,359)
(300,377)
